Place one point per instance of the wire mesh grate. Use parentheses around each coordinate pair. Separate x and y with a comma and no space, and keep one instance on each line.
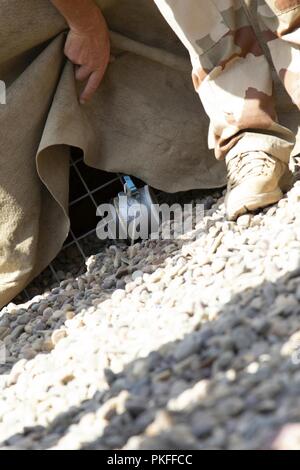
(89,188)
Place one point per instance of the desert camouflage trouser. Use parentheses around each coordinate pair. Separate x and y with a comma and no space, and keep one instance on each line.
(231,72)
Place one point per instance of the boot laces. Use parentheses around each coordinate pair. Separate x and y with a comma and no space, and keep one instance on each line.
(247,165)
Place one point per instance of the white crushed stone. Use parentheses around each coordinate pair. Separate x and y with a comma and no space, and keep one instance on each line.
(190,344)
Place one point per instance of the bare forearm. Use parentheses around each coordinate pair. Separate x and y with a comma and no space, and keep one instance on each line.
(79,14)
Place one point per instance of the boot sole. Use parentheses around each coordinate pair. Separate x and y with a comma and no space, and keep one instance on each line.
(253,203)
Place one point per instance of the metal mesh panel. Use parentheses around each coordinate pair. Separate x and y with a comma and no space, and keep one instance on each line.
(88,189)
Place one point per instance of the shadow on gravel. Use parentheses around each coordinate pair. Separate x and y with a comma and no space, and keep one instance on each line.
(231,384)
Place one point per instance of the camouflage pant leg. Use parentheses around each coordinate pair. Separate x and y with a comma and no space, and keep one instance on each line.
(231,75)
(280,24)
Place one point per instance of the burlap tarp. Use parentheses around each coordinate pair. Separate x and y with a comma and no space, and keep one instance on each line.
(145,120)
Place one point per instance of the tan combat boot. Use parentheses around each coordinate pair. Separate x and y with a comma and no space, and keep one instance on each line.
(255,180)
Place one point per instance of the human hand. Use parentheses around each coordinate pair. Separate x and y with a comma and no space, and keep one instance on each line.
(89,49)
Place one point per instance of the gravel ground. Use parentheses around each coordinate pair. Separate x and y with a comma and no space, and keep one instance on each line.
(186,344)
